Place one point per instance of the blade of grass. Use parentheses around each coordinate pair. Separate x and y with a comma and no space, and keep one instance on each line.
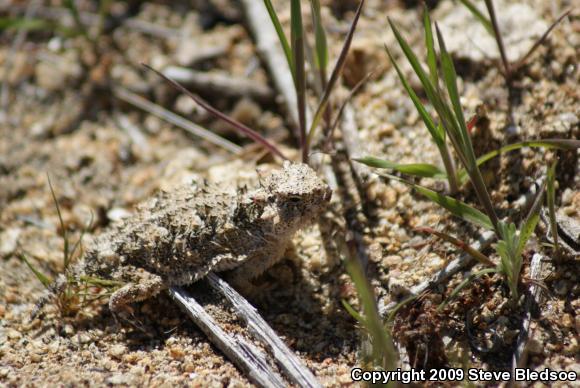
(423,170)
(478,15)
(466,148)
(320,41)
(344,103)
(551,199)
(46,282)
(432,94)
(9,23)
(436,132)
(457,208)
(565,144)
(499,40)
(78,243)
(216,113)
(72,7)
(430,44)
(384,352)
(66,258)
(322,105)
(355,314)
(477,255)
(281,36)
(521,62)
(297,46)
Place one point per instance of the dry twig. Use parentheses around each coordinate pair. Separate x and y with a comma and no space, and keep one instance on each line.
(246,357)
(287,360)
(532,299)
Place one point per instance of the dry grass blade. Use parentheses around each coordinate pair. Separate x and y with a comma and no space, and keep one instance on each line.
(334,76)
(159,111)
(499,40)
(551,201)
(477,255)
(235,124)
(344,104)
(521,62)
(297,45)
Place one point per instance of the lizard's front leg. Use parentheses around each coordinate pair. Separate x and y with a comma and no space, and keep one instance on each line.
(142,285)
(241,276)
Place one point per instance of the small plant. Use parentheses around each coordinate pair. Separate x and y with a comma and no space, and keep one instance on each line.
(71,293)
(452,125)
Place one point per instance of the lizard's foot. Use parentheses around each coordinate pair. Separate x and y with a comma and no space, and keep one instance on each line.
(144,285)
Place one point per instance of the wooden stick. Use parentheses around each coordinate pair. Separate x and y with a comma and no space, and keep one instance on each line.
(453,267)
(287,360)
(532,299)
(244,355)
(174,119)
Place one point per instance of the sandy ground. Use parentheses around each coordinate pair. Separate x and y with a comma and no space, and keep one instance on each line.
(104,156)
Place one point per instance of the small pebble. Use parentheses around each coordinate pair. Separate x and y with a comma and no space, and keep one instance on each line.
(117,350)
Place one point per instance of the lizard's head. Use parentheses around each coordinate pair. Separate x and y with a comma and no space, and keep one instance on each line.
(297,193)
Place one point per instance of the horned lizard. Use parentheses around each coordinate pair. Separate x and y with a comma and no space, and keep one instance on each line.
(179,236)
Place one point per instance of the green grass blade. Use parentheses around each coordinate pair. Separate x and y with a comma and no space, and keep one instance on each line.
(463,284)
(66,256)
(423,170)
(551,200)
(566,144)
(322,105)
(80,240)
(9,23)
(437,133)
(430,44)
(73,9)
(454,206)
(478,15)
(384,352)
(46,282)
(320,38)
(433,95)
(450,79)
(353,313)
(281,36)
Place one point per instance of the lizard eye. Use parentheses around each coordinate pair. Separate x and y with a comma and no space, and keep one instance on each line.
(294,199)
